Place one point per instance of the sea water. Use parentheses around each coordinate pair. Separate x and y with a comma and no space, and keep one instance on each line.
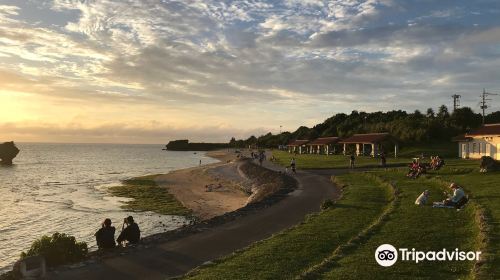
(63,188)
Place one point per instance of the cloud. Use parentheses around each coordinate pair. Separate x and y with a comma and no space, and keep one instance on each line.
(297,61)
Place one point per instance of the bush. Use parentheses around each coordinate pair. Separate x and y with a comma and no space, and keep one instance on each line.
(327,204)
(58,249)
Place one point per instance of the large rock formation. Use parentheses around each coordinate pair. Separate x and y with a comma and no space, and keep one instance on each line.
(8,151)
(489,164)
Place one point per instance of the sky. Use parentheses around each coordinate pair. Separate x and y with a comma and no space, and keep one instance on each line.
(153,71)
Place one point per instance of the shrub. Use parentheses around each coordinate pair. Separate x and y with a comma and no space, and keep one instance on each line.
(58,249)
(327,204)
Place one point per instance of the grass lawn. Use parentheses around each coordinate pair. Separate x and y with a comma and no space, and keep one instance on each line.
(314,161)
(410,226)
(311,161)
(311,250)
(293,251)
(148,196)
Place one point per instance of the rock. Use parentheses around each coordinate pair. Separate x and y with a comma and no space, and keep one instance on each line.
(8,151)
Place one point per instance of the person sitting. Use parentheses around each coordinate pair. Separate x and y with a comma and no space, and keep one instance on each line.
(457,197)
(105,236)
(131,233)
(422,198)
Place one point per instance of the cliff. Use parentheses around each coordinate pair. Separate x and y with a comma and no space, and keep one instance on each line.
(184,145)
(8,151)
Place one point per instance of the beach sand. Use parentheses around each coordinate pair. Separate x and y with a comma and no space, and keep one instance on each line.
(230,189)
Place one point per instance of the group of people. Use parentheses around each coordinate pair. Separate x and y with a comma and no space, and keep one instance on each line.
(436,163)
(456,199)
(417,168)
(260,156)
(105,236)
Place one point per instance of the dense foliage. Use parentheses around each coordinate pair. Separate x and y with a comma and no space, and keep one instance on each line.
(407,128)
(57,249)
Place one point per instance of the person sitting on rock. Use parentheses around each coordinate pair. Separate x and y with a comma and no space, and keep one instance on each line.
(131,233)
(105,236)
(457,197)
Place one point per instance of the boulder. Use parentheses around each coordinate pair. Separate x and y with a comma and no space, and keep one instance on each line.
(8,151)
(489,164)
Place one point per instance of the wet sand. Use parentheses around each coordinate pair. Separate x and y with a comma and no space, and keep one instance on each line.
(210,190)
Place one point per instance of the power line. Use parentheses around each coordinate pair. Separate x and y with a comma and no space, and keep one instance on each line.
(484,101)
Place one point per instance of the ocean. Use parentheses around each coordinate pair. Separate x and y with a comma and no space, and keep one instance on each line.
(62,187)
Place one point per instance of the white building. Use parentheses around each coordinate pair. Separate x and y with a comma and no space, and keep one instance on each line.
(484,141)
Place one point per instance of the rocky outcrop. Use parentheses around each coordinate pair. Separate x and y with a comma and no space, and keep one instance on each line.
(8,151)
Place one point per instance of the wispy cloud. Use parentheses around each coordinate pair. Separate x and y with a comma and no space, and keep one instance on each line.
(288,57)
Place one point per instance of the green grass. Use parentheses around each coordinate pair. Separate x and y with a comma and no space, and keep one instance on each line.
(329,243)
(312,161)
(148,196)
(485,191)
(410,226)
(293,251)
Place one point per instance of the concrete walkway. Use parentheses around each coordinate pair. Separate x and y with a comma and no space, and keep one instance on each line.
(179,256)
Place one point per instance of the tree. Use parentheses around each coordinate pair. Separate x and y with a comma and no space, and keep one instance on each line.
(430,113)
(443,112)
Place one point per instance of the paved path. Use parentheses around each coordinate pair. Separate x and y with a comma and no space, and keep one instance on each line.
(179,256)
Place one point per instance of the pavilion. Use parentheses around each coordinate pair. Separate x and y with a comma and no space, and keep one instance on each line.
(369,144)
(297,146)
(323,145)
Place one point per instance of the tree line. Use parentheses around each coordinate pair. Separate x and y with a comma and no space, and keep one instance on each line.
(407,128)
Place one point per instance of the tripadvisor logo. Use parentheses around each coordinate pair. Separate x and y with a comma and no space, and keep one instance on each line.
(387,255)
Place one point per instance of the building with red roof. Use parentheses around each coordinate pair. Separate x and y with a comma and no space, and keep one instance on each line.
(297,146)
(484,141)
(323,145)
(369,143)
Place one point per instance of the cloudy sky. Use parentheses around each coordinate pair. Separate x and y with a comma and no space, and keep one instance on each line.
(152,71)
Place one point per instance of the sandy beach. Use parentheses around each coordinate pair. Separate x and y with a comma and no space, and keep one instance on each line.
(214,189)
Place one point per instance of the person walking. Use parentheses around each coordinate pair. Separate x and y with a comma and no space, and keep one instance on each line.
(352,159)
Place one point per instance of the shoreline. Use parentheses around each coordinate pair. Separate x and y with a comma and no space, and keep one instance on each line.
(286,185)
(209,190)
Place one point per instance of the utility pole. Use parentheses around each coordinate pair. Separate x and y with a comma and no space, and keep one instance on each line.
(484,101)
(280,128)
(456,101)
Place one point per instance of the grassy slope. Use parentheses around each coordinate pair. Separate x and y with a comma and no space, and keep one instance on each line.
(423,228)
(147,196)
(293,251)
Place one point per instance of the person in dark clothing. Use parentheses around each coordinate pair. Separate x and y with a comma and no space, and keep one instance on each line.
(131,233)
(383,159)
(105,236)
(352,159)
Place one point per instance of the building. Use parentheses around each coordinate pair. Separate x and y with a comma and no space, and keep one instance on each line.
(323,145)
(297,146)
(484,141)
(369,144)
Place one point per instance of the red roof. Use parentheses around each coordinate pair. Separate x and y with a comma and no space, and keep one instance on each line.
(324,141)
(370,138)
(298,142)
(487,129)
(460,138)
